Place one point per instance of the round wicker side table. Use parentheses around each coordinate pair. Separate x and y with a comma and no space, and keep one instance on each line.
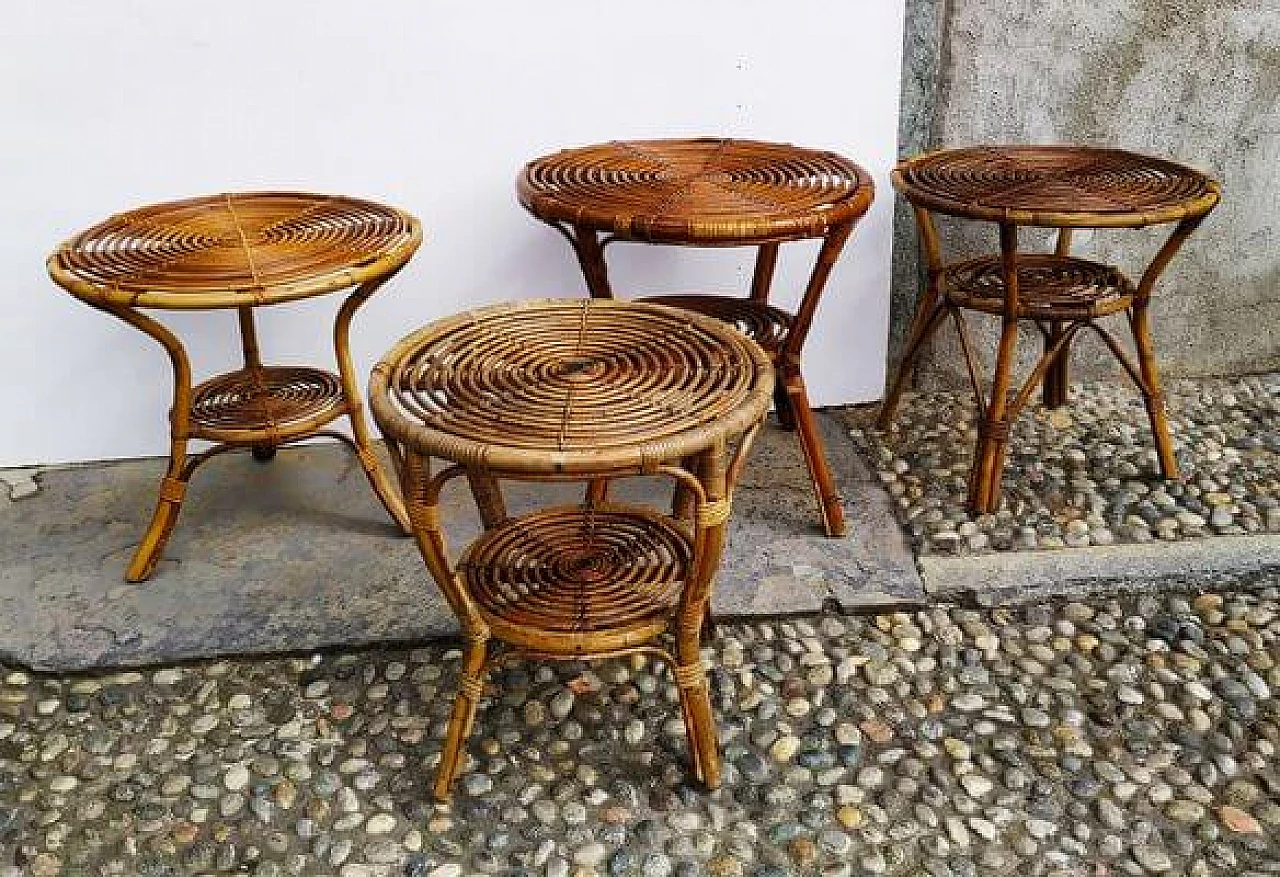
(1062,187)
(575,391)
(715,192)
(242,251)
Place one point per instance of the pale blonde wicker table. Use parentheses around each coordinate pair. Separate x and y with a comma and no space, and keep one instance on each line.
(577,391)
(242,251)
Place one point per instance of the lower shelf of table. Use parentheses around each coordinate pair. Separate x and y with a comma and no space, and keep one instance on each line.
(575,580)
(1050,287)
(763,323)
(265,403)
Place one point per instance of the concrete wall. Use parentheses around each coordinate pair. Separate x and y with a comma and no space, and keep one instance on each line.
(1194,80)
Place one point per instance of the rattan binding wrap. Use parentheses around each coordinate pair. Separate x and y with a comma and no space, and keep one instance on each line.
(235,249)
(1056,186)
(703,191)
(1049,287)
(566,386)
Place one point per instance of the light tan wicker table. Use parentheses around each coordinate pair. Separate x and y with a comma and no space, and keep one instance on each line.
(1060,187)
(576,391)
(715,192)
(242,251)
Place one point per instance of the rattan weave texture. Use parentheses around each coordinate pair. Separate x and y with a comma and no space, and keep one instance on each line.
(570,385)
(279,400)
(235,249)
(761,322)
(704,191)
(1049,287)
(1056,185)
(569,570)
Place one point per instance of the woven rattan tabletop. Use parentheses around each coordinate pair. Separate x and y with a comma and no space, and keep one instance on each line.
(570,386)
(702,191)
(235,249)
(1056,186)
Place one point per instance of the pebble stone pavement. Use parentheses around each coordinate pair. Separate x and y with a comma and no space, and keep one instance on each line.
(1085,474)
(1113,736)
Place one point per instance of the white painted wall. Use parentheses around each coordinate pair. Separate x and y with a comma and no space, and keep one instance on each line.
(428,105)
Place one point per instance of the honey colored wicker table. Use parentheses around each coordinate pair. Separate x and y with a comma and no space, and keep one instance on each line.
(576,391)
(241,252)
(715,193)
(1062,187)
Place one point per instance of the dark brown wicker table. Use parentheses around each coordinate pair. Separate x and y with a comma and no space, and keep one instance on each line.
(715,192)
(1061,187)
(576,391)
(242,251)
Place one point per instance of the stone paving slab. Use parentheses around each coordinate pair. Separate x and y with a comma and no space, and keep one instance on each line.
(296,554)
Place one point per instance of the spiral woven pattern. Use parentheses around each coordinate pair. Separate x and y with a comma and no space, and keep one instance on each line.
(235,249)
(283,400)
(570,385)
(1049,287)
(579,569)
(762,323)
(1053,185)
(697,191)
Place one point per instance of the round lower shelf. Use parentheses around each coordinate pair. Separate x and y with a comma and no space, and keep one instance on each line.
(270,402)
(761,322)
(1049,287)
(575,580)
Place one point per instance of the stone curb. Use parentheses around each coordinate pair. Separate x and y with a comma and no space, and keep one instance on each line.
(1012,576)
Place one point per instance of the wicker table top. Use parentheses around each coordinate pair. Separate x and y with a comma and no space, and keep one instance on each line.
(703,191)
(570,386)
(1056,186)
(231,250)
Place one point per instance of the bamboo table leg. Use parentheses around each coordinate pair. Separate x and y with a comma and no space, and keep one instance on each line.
(711,522)
(789,376)
(1056,378)
(173,486)
(355,406)
(984,483)
(1139,321)
(929,311)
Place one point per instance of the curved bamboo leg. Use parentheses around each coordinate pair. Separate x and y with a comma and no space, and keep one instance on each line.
(1139,321)
(355,405)
(824,484)
(1152,392)
(173,486)
(470,690)
(925,319)
(924,327)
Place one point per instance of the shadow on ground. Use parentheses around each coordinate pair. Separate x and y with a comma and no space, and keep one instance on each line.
(296,555)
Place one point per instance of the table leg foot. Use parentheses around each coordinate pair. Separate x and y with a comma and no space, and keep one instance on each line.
(1153,394)
(172,490)
(470,690)
(695,702)
(264,453)
(386,494)
(824,484)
